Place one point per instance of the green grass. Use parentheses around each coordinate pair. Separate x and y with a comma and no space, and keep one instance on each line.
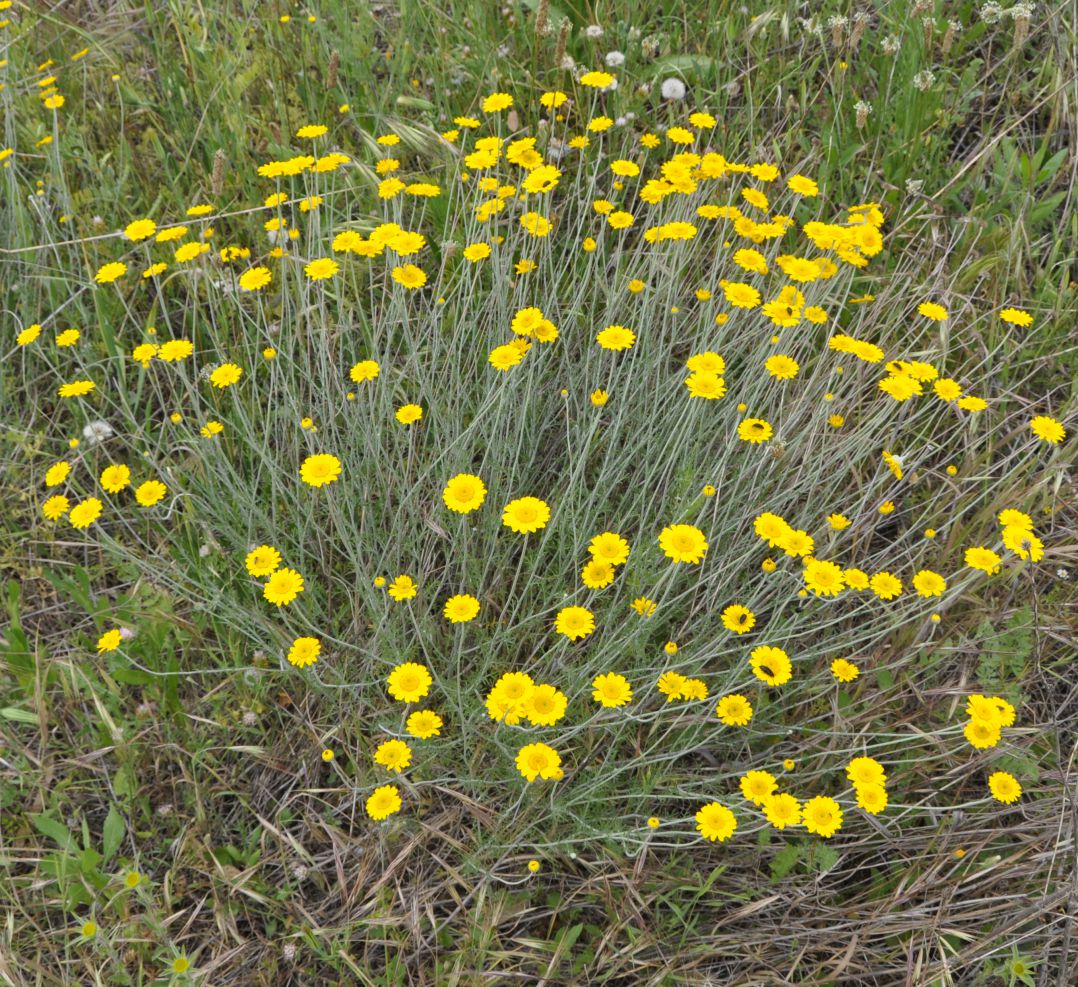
(191,756)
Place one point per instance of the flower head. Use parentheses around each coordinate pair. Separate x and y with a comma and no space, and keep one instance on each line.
(409,682)
(283,587)
(574,622)
(734,710)
(822,815)
(460,609)
(383,802)
(304,651)
(611,690)
(526,515)
(320,470)
(1004,787)
(715,822)
(683,543)
(539,761)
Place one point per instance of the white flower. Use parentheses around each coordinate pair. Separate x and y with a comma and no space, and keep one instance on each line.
(593,31)
(923,80)
(96,432)
(673,89)
(614,59)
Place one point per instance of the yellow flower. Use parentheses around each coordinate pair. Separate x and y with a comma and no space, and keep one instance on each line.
(871,798)
(409,682)
(464,493)
(609,547)
(189,251)
(1016,316)
(574,622)
(403,588)
(526,515)
(596,80)
(383,802)
(1004,787)
(597,574)
(734,710)
(982,734)
(255,279)
(644,606)
(149,493)
(803,185)
(393,755)
(984,559)
(226,375)
(109,641)
(363,371)
(304,651)
(738,619)
(822,816)
(683,543)
(928,583)
(320,470)
(108,273)
(140,229)
(476,252)
(263,561)
(424,724)
(84,513)
(57,473)
(115,478)
(321,268)
(1048,429)
(823,578)
(55,507)
(497,101)
(545,705)
(885,585)
(507,356)
(844,671)
(409,276)
(283,587)
(539,761)
(782,810)
(409,414)
(930,310)
(754,430)
(715,822)
(771,665)
(461,608)
(28,335)
(611,690)
(757,786)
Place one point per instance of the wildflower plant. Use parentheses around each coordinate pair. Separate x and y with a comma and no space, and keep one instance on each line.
(466,433)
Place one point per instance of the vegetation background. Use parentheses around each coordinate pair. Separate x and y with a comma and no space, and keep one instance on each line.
(205,783)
